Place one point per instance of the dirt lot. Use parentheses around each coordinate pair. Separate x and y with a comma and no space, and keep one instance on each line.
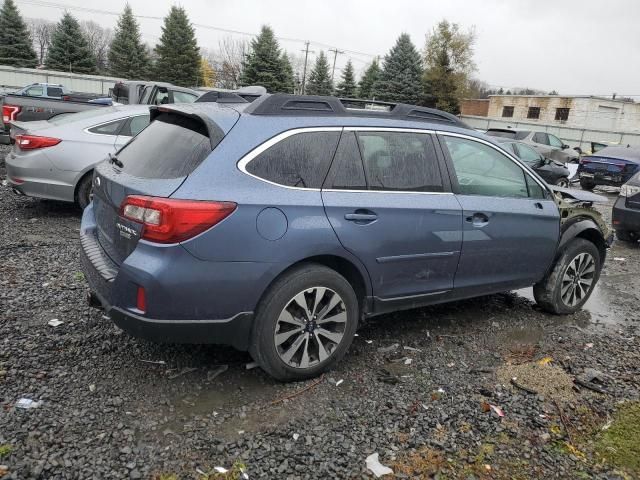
(425,389)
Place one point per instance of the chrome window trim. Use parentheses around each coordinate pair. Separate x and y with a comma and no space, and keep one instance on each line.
(511,157)
(244,161)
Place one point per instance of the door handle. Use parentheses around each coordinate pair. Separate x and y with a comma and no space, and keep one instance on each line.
(361,216)
(478,219)
(538,205)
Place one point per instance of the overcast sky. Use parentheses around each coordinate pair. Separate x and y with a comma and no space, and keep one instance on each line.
(573,46)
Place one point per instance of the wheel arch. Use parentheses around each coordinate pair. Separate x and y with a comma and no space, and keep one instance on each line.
(79,178)
(587,229)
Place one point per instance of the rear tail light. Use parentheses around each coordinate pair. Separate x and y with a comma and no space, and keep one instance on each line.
(583,160)
(167,220)
(66,98)
(31,142)
(9,113)
(629,190)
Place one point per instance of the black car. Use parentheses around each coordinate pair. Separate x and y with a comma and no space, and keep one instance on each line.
(552,171)
(611,166)
(626,211)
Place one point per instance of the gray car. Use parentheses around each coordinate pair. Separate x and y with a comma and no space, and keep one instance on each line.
(547,144)
(54,159)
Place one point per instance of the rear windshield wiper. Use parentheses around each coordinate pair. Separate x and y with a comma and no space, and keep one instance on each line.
(114,160)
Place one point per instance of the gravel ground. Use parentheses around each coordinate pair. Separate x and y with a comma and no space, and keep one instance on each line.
(116,407)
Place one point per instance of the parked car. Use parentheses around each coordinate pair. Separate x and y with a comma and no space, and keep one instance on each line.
(552,171)
(54,159)
(547,144)
(276,226)
(151,93)
(57,91)
(612,166)
(626,211)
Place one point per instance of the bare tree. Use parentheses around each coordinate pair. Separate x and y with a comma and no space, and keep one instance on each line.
(41,31)
(228,61)
(99,40)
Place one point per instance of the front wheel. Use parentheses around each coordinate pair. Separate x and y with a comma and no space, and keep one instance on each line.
(305,323)
(84,191)
(571,281)
(562,182)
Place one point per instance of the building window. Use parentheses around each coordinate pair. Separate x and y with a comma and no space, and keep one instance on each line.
(534,112)
(562,113)
(507,112)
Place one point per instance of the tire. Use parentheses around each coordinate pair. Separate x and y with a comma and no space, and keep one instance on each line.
(84,189)
(586,185)
(562,182)
(626,236)
(548,293)
(280,314)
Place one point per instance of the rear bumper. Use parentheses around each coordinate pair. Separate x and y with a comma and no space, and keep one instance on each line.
(36,177)
(606,178)
(113,285)
(625,218)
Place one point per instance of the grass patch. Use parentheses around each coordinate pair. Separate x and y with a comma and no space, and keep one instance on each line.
(5,450)
(620,443)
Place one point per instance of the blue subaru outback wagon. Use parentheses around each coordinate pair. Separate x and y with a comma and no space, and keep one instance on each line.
(276,226)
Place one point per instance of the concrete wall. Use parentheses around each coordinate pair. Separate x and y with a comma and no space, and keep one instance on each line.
(13,78)
(475,106)
(594,113)
(576,137)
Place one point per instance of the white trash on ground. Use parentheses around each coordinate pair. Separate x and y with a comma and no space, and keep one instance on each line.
(375,467)
(27,403)
(54,322)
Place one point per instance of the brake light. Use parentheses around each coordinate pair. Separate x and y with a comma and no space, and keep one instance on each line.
(66,98)
(583,160)
(31,142)
(9,113)
(168,220)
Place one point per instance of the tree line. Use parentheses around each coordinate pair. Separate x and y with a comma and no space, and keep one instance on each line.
(438,76)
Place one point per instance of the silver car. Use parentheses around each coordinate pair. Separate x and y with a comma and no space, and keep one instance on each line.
(54,159)
(548,145)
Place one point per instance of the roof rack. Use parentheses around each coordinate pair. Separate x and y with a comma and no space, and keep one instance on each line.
(221,97)
(305,105)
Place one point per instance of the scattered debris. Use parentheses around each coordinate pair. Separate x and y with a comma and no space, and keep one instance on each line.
(251,365)
(386,376)
(545,361)
(296,436)
(213,374)
(451,365)
(92,388)
(496,410)
(587,346)
(407,361)
(547,379)
(220,469)
(411,349)
(299,392)
(564,421)
(54,322)
(388,349)
(369,341)
(514,382)
(27,403)
(155,362)
(184,371)
(3,468)
(619,259)
(440,390)
(592,379)
(339,382)
(375,467)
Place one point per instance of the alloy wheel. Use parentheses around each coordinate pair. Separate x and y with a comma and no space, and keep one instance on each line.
(578,279)
(310,327)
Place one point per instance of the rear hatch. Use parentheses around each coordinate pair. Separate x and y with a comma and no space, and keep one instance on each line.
(155,163)
(615,164)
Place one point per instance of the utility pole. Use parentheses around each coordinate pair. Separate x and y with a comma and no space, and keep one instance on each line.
(335,56)
(304,71)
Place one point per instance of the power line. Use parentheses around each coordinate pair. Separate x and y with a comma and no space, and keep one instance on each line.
(61,6)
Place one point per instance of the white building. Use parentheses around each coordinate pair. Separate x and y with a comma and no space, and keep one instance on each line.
(576,111)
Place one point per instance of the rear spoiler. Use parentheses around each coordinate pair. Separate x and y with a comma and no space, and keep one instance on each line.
(221,97)
(215,133)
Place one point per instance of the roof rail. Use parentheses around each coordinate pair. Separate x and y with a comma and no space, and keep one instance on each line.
(307,105)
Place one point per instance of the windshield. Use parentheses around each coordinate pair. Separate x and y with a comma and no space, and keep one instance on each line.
(64,119)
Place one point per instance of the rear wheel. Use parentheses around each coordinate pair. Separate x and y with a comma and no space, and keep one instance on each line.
(84,191)
(626,236)
(562,182)
(305,323)
(571,281)
(587,185)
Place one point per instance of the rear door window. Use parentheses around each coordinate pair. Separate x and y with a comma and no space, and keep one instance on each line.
(542,138)
(172,146)
(347,172)
(528,154)
(54,92)
(400,161)
(183,97)
(555,141)
(300,160)
(135,125)
(111,128)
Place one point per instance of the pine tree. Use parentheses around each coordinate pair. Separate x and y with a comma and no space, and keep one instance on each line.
(69,49)
(286,82)
(128,56)
(16,48)
(320,77)
(264,64)
(400,79)
(347,86)
(178,53)
(368,80)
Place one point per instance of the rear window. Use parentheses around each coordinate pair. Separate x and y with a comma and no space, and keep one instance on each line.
(172,146)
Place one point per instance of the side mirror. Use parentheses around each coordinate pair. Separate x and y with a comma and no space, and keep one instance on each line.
(565,146)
